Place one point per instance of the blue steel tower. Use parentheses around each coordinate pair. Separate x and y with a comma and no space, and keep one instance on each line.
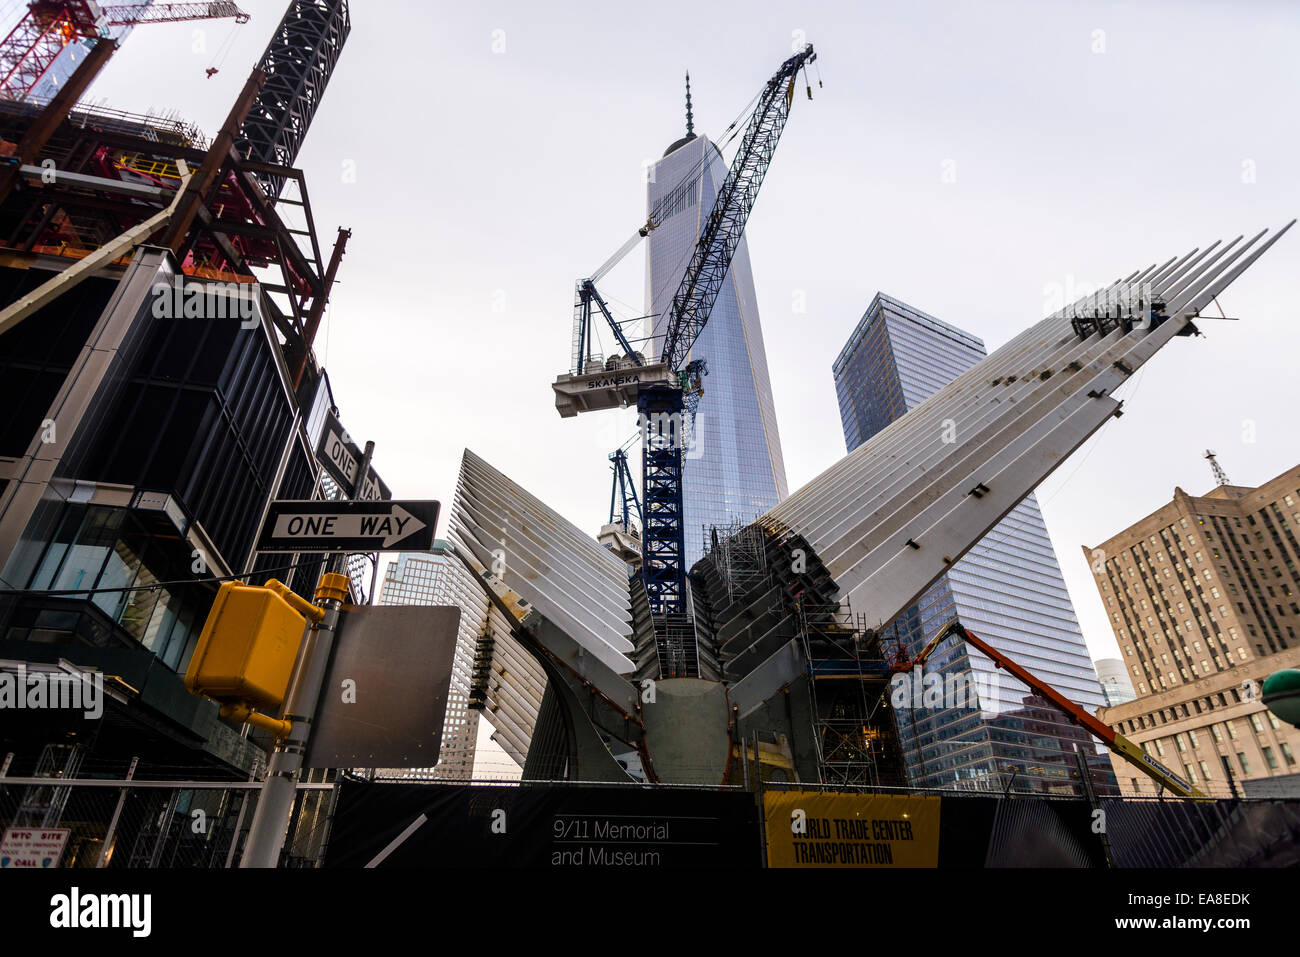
(1008,590)
(733,471)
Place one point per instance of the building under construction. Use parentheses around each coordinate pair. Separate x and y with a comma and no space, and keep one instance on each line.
(780,668)
(138,453)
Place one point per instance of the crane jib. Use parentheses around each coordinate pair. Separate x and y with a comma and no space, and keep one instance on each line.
(699,288)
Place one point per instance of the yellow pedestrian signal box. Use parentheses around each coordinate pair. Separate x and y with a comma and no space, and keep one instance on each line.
(248,646)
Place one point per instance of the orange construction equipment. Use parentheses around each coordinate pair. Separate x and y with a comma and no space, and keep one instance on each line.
(1126,749)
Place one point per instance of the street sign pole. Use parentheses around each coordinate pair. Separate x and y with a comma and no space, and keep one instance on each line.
(362,474)
(275,806)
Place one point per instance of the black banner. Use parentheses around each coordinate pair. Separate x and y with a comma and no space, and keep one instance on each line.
(565,826)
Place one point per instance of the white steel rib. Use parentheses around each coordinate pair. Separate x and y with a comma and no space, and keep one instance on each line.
(562,572)
(894,514)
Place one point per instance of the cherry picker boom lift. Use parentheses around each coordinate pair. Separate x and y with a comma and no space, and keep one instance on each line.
(1126,749)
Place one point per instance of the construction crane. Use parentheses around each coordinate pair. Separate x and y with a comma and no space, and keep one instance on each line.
(1165,779)
(666,392)
(622,533)
(31,47)
(1220,476)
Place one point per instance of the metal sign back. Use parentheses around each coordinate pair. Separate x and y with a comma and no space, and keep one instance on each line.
(383,702)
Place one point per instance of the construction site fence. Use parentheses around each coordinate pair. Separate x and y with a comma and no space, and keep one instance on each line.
(161,824)
(194,823)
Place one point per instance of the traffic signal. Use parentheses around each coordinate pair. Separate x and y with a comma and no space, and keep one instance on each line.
(248,646)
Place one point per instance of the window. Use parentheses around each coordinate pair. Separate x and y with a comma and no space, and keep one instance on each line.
(1256,723)
(1287,753)
(1245,765)
(1205,770)
(1269,757)
(1214,730)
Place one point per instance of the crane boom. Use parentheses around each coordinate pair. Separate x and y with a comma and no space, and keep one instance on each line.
(1126,749)
(703,278)
(126,14)
(32,46)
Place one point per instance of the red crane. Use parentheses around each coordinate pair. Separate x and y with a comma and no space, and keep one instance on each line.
(31,48)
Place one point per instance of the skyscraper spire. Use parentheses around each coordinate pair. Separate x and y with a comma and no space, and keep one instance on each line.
(690,119)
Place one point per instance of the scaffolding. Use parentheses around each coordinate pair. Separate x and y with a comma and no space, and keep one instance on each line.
(675,641)
(740,554)
(484,647)
(847,686)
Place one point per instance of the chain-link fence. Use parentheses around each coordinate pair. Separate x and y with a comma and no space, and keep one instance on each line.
(182,823)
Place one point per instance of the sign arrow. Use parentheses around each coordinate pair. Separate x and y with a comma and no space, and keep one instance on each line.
(395,526)
(341,526)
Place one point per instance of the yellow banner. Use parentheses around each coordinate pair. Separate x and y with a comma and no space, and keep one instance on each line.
(835,829)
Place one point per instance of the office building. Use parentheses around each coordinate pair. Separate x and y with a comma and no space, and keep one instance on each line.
(1204,598)
(734,470)
(154,405)
(1008,589)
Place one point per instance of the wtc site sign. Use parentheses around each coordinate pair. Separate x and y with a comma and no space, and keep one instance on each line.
(33,846)
(818,829)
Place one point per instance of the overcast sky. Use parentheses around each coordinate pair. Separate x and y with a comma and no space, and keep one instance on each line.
(979,161)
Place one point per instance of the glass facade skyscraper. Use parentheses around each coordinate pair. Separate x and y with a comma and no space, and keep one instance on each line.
(733,470)
(1008,590)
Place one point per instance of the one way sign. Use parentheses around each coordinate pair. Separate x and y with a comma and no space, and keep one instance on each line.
(313,526)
